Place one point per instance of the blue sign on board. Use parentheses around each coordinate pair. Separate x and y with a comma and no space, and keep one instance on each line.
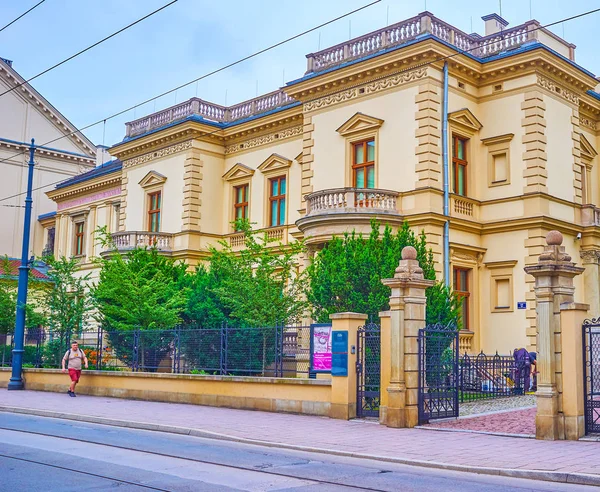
(339,353)
(521,305)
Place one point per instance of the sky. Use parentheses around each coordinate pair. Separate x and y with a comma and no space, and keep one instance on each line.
(194,37)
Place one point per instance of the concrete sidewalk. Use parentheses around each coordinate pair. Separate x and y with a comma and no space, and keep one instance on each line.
(562,461)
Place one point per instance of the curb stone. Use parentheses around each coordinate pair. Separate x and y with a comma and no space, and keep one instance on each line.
(548,476)
(471,431)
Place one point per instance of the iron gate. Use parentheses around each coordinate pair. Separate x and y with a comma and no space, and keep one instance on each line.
(368,362)
(438,372)
(591,372)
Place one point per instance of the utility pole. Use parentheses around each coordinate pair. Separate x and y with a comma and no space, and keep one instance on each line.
(16,380)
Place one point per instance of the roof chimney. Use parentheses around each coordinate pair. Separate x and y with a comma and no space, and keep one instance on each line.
(102,155)
(494,23)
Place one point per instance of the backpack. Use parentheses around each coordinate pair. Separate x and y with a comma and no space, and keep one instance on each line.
(522,359)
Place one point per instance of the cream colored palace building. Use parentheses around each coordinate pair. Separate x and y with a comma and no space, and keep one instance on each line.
(523,140)
(62,152)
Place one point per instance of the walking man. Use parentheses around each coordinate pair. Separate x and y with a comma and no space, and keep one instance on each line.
(74,357)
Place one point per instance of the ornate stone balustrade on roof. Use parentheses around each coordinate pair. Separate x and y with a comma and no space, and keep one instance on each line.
(209,111)
(427,23)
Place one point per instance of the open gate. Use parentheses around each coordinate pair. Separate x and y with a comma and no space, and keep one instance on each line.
(591,372)
(438,372)
(368,374)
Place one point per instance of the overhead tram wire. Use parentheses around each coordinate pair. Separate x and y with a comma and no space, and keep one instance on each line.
(20,84)
(103,120)
(22,15)
(412,67)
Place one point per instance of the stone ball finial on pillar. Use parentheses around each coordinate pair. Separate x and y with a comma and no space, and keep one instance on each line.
(554,238)
(554,251)
(409,253)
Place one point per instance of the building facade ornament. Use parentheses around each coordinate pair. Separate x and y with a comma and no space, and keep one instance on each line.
(555,88)
(590,256)
(173,149)
(263,140)
(587,122)
(365,89)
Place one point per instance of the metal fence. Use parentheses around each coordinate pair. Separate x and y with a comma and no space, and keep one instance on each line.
(497,376)
(278,351)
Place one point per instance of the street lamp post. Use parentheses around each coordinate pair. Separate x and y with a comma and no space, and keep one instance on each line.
(16,380)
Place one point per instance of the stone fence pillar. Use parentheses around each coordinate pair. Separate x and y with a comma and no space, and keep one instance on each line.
(399,343)
(559,395)
(343,388)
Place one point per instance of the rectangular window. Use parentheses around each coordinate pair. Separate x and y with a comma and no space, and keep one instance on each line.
(154,205)
(459,166)
(499,163)
(240,203)
(461,288)
(79,238)
(503,297)
(363,164)
(277,194)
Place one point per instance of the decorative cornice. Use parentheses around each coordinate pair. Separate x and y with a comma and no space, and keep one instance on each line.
(88,186)
(263,140)
(274,163)
(52,153)
(557,89)
(12,79)
(359,123)
(497,139)
(238,171)
(366,89)
(500,264)
(587,122)
(151,179)
(157,154)
(464,119)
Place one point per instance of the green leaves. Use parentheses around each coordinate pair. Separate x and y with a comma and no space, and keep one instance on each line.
(144,290)
(67,301)
(346,275)
(260,285)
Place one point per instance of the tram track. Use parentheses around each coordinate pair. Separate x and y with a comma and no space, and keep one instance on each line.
(297,476)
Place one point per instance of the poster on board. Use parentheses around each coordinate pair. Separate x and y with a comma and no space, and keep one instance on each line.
(320,345)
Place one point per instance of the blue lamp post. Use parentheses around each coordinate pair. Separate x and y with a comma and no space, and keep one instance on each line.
(16,380)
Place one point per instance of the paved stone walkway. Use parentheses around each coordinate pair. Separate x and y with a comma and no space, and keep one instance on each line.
(446,448)
(510,422)
(496,405)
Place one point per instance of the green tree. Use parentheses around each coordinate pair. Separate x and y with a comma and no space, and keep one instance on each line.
(346,275)
(253,290)
(141,290)
(34,316)
(67,305)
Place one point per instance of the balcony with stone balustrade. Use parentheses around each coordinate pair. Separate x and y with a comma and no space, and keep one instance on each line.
(128,240)
(339,210)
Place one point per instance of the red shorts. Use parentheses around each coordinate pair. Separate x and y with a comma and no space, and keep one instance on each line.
(75,374)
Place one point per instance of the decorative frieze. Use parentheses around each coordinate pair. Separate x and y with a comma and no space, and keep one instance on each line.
(141,159)
(555,88)
(366,89)
(263,140)
(587,123)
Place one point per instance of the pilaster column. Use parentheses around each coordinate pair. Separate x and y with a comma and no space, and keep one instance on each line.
(591,279)
(90,228)
(553,276)
(406,317)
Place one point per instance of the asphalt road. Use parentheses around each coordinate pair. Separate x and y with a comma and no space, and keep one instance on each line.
(44,454)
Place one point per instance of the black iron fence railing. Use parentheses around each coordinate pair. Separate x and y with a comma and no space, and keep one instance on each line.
(277,351)
(497,376)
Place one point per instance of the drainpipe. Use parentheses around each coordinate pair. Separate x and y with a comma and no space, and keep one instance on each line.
(446,177)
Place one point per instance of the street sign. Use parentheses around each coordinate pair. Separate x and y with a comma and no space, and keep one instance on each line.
(521,305)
